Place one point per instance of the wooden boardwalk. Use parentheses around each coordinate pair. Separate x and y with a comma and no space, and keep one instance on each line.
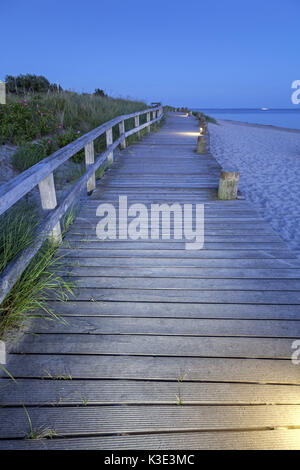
(164,347)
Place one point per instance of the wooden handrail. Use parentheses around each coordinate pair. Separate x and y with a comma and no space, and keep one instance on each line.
(42,174)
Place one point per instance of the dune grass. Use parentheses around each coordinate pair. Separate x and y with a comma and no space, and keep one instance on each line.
(206,116)
(29,296)
(210,119)
(17,229)
(69,114)
(85,112)
(81,112)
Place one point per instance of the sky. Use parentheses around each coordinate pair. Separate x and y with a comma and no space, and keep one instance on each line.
(215,53)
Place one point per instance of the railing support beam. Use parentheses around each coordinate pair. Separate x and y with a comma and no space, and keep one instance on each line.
(49,202)
(122,131)
(109,141)
(148,120)
(137,123)
(89,160)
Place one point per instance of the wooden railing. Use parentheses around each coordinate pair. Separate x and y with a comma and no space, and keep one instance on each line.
(41,174)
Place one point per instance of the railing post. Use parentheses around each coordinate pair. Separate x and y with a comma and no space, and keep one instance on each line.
(89,160)
(148,120)
(109,141)
(122,131)
(48,200)
(153,114)
(2,92)
(136,124)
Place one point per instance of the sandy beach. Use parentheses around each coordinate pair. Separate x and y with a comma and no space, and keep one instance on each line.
(268,159)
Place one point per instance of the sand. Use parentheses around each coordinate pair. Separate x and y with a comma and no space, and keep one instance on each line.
(269,162)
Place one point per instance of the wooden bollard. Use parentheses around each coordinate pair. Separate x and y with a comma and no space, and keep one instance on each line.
(201,144)
(228,184)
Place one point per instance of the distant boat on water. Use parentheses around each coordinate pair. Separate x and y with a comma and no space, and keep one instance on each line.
(265,109)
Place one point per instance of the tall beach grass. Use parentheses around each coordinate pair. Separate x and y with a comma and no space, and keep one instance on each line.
(40,281)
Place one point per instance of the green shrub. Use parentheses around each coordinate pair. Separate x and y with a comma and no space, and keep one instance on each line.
(62,117)
(25,120)
(99,92)
(85,111)
(57,141)
(22,84)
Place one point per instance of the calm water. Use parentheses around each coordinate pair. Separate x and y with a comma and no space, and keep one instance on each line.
(275,117)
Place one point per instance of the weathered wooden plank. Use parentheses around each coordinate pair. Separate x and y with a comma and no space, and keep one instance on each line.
(178,368)
(182,310)
(86,226)
(123,419)
(170,326)
(87,237)
(164,283)
(186,296)
(154,345)
(283,439)
(177,272)
(59,392)
(173,253)
(288,265)
(170,245)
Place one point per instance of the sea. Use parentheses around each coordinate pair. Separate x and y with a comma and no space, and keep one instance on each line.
(289,118)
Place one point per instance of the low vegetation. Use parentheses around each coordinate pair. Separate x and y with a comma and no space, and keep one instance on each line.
(29,296)
(207,118)
(41,117)
(40,124)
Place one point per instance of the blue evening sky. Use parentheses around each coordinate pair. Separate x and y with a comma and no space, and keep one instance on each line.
(213,53)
